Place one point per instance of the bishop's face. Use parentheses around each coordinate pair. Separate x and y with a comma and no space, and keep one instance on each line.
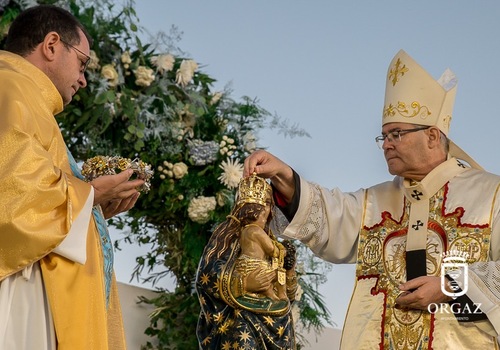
(406,151)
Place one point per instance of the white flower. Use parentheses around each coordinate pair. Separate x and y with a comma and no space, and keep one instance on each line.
(233,172)
(179,170)
(109,72)
(185,72)
(249,142)
(111,108)
(94,61)
(126,58)
(215,98)
(163,63)
(200,207)
(144,76)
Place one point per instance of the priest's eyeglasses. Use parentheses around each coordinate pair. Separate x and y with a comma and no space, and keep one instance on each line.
(85,63)
(395,135)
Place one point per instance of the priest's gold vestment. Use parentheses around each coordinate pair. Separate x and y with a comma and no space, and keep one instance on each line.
(40,201)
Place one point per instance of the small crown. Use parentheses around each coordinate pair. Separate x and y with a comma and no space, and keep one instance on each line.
(455,256)
(254,189)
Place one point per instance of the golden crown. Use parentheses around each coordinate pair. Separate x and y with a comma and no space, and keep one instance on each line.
(254,189)
(105,165)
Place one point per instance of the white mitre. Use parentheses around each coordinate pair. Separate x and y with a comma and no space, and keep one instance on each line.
(413,96)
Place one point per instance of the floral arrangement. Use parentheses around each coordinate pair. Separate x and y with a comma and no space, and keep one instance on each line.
(150,102)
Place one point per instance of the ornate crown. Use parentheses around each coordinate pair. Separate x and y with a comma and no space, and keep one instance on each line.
(254,189)
(105,165)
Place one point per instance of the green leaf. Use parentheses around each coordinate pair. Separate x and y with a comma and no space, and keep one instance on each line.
(110,96)
(101,99)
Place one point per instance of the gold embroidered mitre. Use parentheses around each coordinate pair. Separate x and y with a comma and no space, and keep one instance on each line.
(413,96)
(254,189)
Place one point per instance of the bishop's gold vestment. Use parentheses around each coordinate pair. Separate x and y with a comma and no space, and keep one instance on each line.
(40,201)
(453,208)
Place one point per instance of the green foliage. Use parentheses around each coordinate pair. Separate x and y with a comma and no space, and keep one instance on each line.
(168,322)
(159,107)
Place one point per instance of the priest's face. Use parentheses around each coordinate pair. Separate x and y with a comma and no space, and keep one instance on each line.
(68,72)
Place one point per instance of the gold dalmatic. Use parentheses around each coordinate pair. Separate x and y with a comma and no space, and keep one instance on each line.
(382,256)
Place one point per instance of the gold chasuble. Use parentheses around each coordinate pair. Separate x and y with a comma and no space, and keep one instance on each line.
(41,199)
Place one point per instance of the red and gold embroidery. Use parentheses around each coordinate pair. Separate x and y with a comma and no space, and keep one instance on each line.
(382,253)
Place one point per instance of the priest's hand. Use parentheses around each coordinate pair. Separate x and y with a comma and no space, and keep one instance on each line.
(426,291)
(114,207)
(117,187)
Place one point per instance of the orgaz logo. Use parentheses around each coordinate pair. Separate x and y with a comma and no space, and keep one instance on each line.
(455,265)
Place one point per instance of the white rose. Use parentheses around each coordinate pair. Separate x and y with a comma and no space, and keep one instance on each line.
(185,72)
(163,63)
(215,98)
(144,76)
(109,72)
(179,170)
(126,58)
(94,61)
(249,142)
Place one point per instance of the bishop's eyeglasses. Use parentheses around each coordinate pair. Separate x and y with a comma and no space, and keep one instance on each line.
(395,135)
